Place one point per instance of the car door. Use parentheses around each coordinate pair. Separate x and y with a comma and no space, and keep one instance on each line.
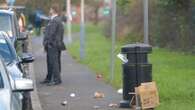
(16,97)
(9,99)
(17,100)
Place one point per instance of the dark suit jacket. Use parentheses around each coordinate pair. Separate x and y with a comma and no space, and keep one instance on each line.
(54,34)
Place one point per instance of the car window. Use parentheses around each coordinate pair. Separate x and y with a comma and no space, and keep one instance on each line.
(5,23)
(5,51)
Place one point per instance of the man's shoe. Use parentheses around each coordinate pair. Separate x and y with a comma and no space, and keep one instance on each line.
(54,83)
(45,82)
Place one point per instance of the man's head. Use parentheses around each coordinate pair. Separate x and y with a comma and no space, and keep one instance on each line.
(55,9)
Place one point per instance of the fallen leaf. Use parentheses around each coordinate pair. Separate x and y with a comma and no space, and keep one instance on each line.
(99,76)
(98,95)
(112,105)
(96,107)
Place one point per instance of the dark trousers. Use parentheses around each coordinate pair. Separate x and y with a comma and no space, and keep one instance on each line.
(53,64)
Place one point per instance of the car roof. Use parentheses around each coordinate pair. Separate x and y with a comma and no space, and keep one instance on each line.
(4,11)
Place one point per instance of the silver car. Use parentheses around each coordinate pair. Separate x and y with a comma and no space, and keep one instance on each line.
(14,64)
(10,89)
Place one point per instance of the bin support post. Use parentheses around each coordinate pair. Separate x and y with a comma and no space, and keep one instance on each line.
(146,25)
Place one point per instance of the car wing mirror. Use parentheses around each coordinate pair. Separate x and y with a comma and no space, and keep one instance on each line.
(30,27)
(27,58)
(23,85)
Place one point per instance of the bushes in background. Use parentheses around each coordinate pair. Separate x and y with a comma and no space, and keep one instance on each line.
(172,23)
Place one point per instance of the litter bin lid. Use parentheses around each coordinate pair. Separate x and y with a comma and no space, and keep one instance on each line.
(136,48)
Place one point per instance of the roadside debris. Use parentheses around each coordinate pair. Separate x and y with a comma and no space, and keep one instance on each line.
(148,94)
(122,57)
(72,95)
(96,107)
(120,91)
(99,95)
(64,103)
(113,105)
(99,76)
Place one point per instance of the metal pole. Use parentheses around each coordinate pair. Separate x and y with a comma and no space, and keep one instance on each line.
(146,27)
(112,63)
(69,16)
(82,33)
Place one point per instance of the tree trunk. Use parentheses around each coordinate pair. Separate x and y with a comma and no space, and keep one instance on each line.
(96,15)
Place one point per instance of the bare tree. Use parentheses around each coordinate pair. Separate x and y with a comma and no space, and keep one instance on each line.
(95,6)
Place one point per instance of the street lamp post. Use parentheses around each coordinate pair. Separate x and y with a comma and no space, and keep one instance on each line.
(82,32)
(112,63)
(69,16)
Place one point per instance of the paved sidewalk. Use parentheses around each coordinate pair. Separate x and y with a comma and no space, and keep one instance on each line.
(76,79)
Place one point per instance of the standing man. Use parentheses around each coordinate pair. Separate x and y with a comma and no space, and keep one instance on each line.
(38,21)
(53,45)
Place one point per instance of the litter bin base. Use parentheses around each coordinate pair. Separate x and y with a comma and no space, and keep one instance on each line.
(125,104)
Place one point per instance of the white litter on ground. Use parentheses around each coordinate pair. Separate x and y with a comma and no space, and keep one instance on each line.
(96,107)
(120,91)
(72,95)
(64,103)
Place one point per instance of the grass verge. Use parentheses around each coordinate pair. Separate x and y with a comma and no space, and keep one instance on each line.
(174,72)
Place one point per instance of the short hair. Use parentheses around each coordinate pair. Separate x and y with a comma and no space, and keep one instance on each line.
(56,8)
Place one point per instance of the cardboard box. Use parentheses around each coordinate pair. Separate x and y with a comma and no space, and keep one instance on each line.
(148,95)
